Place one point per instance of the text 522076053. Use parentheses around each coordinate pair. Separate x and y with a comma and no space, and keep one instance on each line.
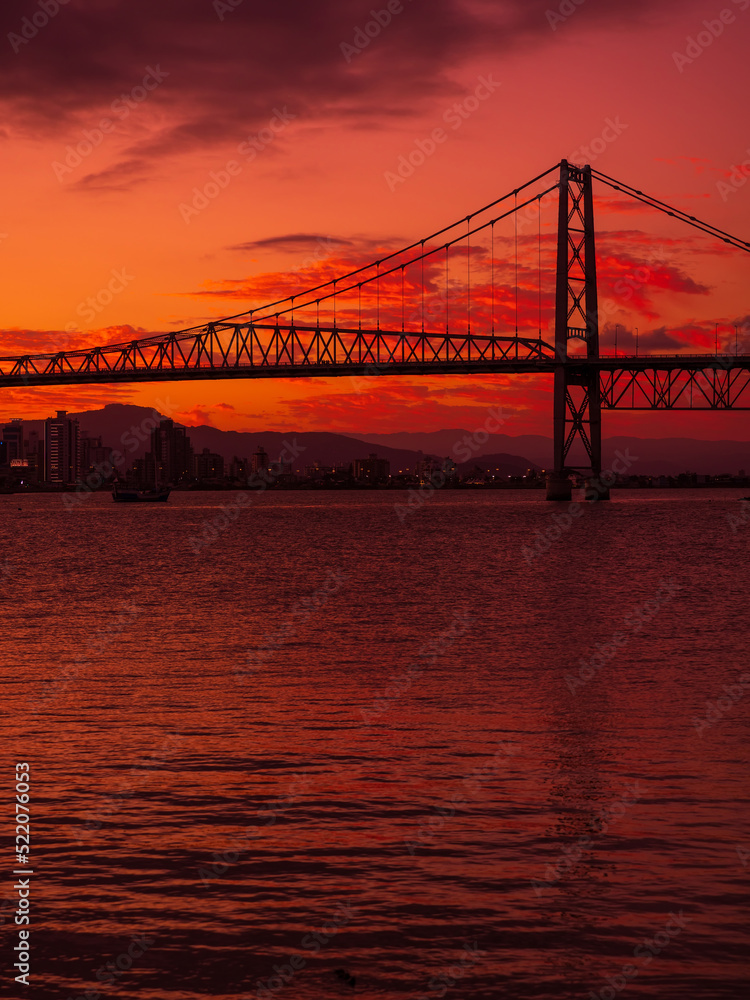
(23,818)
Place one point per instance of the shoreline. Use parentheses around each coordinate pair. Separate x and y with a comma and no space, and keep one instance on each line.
(362,488)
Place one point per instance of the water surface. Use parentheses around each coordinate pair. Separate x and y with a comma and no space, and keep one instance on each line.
(413,736)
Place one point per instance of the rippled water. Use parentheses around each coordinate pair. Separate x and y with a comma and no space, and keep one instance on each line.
(391,732)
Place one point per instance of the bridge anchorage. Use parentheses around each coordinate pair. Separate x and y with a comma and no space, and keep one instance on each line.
(444,306)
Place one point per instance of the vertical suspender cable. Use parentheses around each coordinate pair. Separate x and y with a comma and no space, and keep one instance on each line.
(423,288)
(492,280)
(468,276)
(539,266)
(402,298)
(377,282)
(515,226)
(447,245)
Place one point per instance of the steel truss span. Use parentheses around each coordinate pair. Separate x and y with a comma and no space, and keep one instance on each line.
(266,351)
(722,383)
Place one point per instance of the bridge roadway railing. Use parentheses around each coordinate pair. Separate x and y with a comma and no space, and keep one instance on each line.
(267,351)
(227,351)
(677,382)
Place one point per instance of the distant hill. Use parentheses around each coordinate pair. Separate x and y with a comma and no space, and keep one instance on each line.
(118,422)
(671,456)
(653,456)
(535,447)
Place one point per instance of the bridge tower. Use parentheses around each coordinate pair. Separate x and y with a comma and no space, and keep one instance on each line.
(577,400)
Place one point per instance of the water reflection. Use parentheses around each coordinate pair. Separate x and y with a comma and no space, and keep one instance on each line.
(205,772)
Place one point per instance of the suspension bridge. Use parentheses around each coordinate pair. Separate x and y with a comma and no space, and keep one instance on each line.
(449,304)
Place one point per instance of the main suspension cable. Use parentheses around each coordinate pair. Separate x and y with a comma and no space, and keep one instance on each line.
(391,256)
(676,213)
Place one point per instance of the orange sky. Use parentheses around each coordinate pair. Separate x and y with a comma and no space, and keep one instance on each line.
(305,134)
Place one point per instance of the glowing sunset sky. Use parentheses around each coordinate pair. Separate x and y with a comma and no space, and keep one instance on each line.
(115,113)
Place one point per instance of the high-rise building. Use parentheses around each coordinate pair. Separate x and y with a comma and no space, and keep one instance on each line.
(372,469)
(35,453)
(94,455)
(62,453)
(316,471)
(209,465)
(431,466)
(33,470)
(281,472)
(33,443)
(258,460)
(238,468)
(170,449)
(12,436)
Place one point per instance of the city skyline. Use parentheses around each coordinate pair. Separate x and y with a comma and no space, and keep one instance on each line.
(64,457)
(25,458)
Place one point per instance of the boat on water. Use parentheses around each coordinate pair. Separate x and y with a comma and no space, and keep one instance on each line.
(121,494)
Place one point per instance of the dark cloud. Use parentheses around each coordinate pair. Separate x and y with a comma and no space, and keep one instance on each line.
(20,341)
(226,72)
(657,341)
(633,266)
(690,338)
(620,206)
(119,177)
(233,72)
(293,242)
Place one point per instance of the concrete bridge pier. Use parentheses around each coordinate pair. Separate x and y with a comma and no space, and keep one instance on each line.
(559,487)
(596,490)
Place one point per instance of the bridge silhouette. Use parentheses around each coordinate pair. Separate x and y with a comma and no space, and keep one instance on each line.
(446,305)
